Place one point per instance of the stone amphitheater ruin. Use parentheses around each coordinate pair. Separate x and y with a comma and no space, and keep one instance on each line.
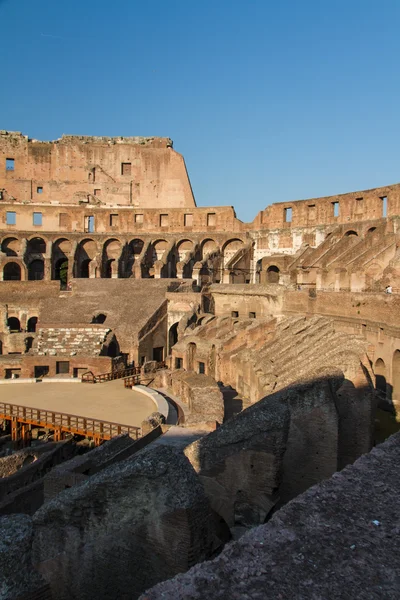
(178,386)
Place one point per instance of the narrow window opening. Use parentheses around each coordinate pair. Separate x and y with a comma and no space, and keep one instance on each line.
(139,219)
(234,314)
(188,220)
(97,192)
(39,189)
(37,219)
(202,368)
(163,220)
(114,220)
(126,168)
(89,224)
(252,315)
(288,214)
(10,164)
(62,219)
(178,363)
(335,209)
(384,206)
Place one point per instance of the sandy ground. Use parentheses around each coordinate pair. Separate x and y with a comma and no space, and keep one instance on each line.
(106,401)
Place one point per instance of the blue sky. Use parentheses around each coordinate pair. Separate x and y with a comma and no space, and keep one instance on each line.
(267,101)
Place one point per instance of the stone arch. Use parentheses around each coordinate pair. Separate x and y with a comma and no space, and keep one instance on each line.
(61,251)
(85,253)
(11,246)
(36,270)
(155,253)
(36,246)
(14,324)
(351,232)
(31,324)
(230,247)
(273,274)
(111,255)
(183,247)
(208,246)
(11,272)
(396,379)
(129,256)
(99,318)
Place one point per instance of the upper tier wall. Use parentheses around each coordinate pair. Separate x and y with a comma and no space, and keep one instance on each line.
(134,171)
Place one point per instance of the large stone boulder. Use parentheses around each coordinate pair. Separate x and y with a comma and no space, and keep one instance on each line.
(124,529)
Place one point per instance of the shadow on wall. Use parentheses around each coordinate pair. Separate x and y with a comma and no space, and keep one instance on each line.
(282,445)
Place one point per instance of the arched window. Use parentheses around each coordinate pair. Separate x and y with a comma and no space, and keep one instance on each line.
(351,232)
(273,274)
(14,324)
(31,325)
(12,272)
(100,318)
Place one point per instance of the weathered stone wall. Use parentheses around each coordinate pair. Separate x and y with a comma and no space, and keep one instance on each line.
(141,172)
(201,394)
(125,528)
(337,540)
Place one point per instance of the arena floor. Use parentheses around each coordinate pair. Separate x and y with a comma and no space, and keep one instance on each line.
(106,401)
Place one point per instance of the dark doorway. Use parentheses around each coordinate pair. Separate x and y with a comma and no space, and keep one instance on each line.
(84,270)
(14,325)
(28,343)
(36,270)
(273,274)
(12,272)
(41,371)
(62,367)
(99,319)
(172,336)
(31,325)
(158,354)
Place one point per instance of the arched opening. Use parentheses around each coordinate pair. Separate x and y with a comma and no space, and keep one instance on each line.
(61,271)
(273,274)
(85,253)
(31,325)
(28,343)
(36,270)
(380,378)
(172,336)
(84,269)
(111,256)
(14,324)
(36,246)
(351,232)
(12,272)
(11,246)
(371,229)
(396,380)
(113,349)
(99,319)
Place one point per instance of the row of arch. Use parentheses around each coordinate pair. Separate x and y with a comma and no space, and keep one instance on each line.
(113,258)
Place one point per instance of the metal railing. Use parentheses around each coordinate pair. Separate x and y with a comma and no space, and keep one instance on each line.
(49,419)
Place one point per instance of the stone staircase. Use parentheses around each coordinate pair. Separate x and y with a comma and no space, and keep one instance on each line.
(70,341)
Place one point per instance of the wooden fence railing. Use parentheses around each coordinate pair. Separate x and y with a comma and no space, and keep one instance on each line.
(63,422)
(89,377)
